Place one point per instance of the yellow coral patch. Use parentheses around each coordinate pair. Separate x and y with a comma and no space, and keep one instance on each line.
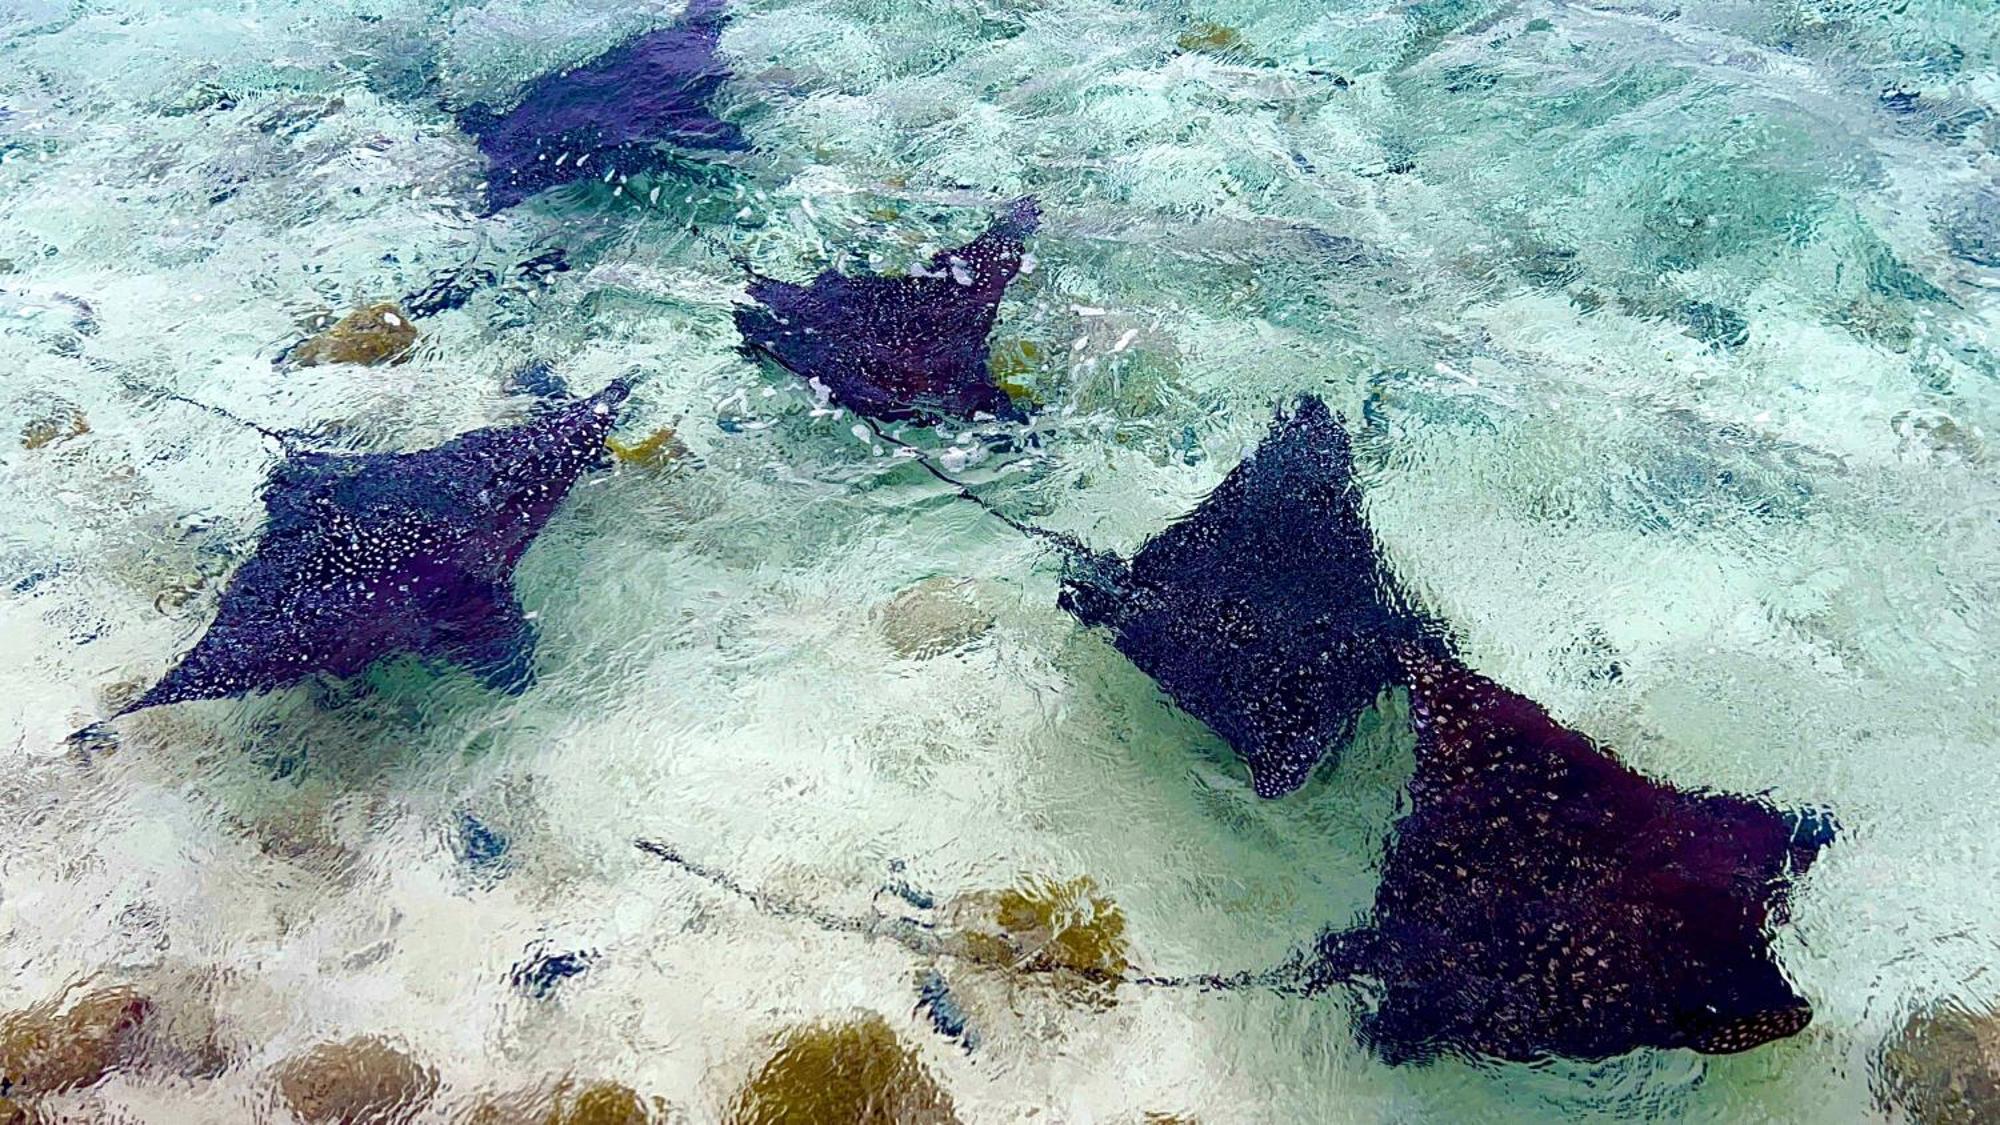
(658,448)
(608,1103)
(594,1103)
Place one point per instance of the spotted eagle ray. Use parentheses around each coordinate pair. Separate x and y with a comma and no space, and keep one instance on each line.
(895,348)
(1264,612)
(1539,898)
(366,556)
(622,111)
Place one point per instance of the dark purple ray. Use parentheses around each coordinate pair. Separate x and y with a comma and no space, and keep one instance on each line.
(1263,613)
(619,111)
(893,348)
(1540,898)
(368,556)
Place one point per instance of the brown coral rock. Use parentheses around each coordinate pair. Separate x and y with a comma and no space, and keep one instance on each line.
(1943,1067)
(1213,38)
(933,617)
(44,1050)
(594,1103)
(362,1081)
(60,424)
(374,335)
(1044,926)
(854,1073)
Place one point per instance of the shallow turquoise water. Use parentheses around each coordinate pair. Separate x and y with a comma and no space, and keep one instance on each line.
(1671,330)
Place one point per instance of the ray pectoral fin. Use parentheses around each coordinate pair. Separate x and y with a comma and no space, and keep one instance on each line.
(494,640)
(1338,957)
(1812,829)
(895,348)
(1754,1031)
(1095,587)
(477,119)
(92,740)
(761,321)
(1542,898)
(1264,612)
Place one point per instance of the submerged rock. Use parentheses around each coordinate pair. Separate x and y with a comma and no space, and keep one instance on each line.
(47,1050)
(203,97)
(1972,228)
(1713,324)
(1017,367)
(1938,434)
(482,848)
(307,831)
(854,1073)
(184,1033)
(1943,1067)
(1213,38)
(606,1103)
(290,118)
(380,333)
(1043,926)
(933,617)
(570,1103)
(1880,320)
(60,423)
(365,1079)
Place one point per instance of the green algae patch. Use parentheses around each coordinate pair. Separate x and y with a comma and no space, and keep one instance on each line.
(1015,366)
